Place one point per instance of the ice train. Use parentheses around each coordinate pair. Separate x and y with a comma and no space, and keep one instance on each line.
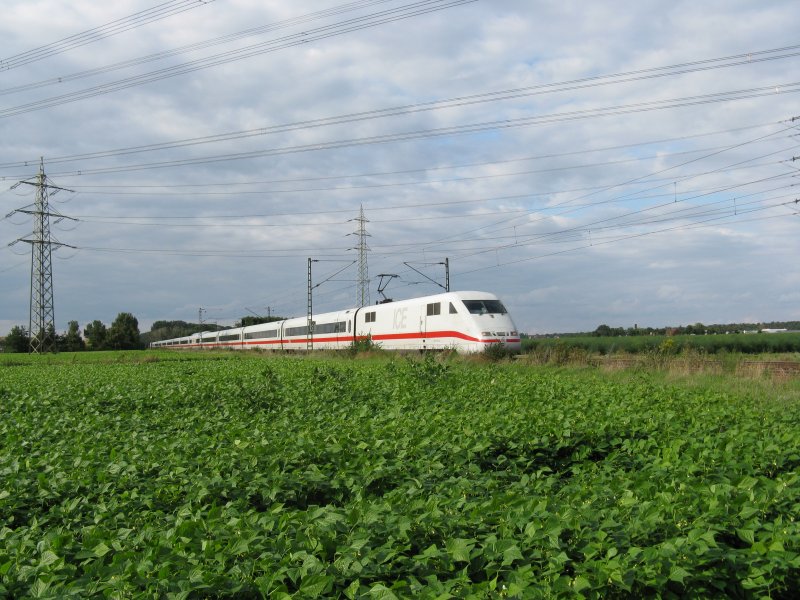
(464,321)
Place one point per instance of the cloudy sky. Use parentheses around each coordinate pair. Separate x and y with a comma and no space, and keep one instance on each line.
(591,163)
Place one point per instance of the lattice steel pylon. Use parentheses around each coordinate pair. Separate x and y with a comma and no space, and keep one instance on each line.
(362,297)
(41,324)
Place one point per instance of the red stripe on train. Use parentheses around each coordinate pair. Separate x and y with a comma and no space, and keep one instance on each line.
(430,335)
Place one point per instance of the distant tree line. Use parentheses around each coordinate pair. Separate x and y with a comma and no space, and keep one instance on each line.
(696,329)
(247,321)
(166,330)
(123,334)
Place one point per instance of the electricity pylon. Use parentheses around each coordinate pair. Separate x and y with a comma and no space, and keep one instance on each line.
(362,298)
(41,323)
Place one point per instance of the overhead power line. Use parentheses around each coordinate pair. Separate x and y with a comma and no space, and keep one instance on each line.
(391,250)
(311,35)
(158,12)
(686,196)
(452,130)
(425,169)
(196,46)
(151,222)
(636,195)
(421,182)
(492,96)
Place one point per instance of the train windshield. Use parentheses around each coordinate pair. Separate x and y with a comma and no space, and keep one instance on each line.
(485,307)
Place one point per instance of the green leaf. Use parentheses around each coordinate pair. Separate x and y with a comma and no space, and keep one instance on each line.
(747,483)
(634,551)
(314,586)
(748,511)
(746,535)
(511,554)
(776,546)
(240,547)
(678,574)
(381,592)
(460,549)
(580,583)
(48,558)
(39,589)
(351,591)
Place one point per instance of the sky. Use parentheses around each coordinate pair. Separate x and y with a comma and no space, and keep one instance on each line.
(627,164)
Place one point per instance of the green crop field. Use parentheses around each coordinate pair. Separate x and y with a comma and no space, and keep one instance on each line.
(742,343)
(244,476)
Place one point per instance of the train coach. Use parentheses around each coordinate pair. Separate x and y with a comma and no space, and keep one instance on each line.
(462,321)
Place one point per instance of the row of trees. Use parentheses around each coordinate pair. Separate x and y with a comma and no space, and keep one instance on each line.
(167,330)
(123,334)
(696,329)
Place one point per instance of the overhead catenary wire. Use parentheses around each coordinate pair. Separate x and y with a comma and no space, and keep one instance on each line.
(290,292)
(684,198)
(582,233)
(645,177)
(703,223)
(579,228)
(720,207)
(606,188)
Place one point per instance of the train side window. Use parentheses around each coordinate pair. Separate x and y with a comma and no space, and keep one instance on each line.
(434,308)
(453,310)
(369,317)
(348,327)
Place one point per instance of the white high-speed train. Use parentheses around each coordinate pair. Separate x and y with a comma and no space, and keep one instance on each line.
(463,321)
